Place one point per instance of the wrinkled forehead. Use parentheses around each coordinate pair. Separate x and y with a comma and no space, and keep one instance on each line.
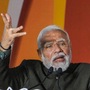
(54,35)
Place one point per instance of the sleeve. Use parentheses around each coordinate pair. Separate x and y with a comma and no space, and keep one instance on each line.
(5,54)
(11,77)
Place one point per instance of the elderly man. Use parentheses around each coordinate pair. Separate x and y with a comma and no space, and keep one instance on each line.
(55,72)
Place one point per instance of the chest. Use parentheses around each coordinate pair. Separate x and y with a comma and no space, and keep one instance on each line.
(64,82)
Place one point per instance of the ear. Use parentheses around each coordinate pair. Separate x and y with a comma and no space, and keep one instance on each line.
(39,52)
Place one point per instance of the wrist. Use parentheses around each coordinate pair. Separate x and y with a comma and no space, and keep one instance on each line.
(3,48)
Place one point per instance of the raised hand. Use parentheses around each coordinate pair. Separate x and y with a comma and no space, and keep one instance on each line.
(10,33)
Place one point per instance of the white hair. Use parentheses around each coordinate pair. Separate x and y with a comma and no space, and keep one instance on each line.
(49,28)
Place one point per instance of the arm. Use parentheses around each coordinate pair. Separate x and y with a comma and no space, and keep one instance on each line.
(7,40)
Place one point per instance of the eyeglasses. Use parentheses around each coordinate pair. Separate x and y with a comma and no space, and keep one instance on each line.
(51,45)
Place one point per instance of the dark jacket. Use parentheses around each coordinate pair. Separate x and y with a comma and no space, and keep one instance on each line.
(32,74)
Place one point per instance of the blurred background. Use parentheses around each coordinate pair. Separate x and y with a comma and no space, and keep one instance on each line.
(71,15)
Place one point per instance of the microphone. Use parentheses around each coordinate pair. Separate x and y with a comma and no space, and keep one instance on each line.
(59,71)
(50,70)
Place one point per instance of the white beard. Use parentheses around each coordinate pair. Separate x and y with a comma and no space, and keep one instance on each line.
(64,65)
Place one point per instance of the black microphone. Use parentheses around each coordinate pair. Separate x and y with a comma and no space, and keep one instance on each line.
(59,71)
(50,70)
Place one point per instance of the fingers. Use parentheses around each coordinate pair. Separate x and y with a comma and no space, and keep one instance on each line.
(15,30)
(8,17)
(3,17)
(12,32)
(19,34)
(7,20)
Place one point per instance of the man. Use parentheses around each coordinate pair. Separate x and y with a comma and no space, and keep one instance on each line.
(55,72)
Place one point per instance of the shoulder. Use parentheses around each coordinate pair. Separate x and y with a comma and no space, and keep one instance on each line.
(82,67)
(32,66)
(31,63)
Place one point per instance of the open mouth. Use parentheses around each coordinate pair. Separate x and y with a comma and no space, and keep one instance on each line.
(59,59)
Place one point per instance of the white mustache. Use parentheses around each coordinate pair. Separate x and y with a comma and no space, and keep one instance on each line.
(58,55)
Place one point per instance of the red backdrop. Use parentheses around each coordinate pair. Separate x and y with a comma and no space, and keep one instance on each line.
(77,23)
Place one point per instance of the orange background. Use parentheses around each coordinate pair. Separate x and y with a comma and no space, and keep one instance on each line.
(71,15)
(34,16)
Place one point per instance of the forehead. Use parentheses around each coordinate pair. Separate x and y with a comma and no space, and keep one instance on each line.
(54,35)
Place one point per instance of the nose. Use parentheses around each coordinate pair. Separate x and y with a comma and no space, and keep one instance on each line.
(57,48)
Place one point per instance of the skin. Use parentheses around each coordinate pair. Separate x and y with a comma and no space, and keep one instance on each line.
(55,35)
(10,33)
